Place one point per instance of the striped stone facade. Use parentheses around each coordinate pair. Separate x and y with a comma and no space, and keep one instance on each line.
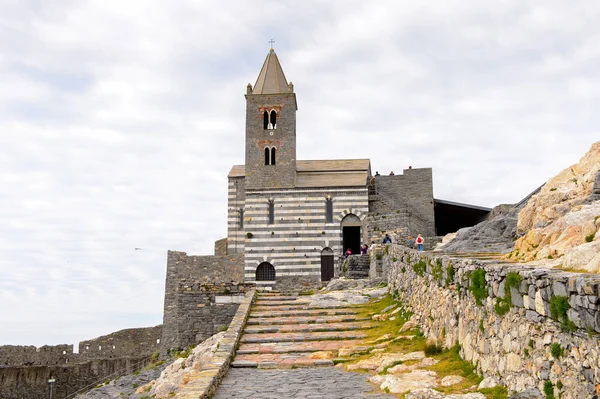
(294,241)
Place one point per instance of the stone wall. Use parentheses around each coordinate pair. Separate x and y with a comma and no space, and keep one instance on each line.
(357,266)
(296,283)
(410,192)
(519,334)
(377,225)
(130,342)
(13,355)
(197,297)
(31,382)
(221,247)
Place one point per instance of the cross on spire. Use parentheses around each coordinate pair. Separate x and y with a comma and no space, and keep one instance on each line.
(271,42)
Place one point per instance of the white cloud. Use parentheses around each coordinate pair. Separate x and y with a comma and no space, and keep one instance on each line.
(120,120)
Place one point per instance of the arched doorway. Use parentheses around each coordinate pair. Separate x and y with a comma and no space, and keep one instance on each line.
(351,233)
(327,264)
(265,272)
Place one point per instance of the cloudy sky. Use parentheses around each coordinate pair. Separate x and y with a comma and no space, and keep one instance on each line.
(119,121)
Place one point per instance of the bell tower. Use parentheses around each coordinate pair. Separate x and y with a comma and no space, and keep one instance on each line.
(270,129)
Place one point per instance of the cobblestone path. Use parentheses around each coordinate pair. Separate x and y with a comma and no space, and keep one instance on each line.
(307,383)
(276,357)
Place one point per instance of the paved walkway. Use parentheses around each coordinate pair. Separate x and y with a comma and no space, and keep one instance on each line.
(282,335)
(307,383)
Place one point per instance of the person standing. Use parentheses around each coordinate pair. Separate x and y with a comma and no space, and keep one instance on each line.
(387,239)
(363,249)
(410,242)
(420,241)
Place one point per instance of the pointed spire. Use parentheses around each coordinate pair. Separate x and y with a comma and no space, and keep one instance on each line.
(271,79)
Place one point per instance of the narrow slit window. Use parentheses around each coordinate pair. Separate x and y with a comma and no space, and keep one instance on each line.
(273,151)
(267,156)
(271,212)
(265,120)
(241,217)
(273,119)
(328,210)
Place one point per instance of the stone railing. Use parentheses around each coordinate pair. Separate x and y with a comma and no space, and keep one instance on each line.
(524,326)
(205,382)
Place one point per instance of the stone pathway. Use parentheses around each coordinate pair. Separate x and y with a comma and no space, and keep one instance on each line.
(299,342)
(283,332)
(307,383)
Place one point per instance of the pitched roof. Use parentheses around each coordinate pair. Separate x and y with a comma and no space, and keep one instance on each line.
(333,164)
(271,79)
(237,171)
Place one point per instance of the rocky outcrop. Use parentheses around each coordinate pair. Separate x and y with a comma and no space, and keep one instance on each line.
(563,219)
(497,234)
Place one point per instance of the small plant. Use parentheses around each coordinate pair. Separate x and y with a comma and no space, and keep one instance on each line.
(549,390)
(432,349)
(223,327)
(226,291)
(590,238)
(437,271)
(553,189)
(526,352)
(478,286)
(403,270)
(449,274)
(394,259)
(556,350)
(386,250)
(549,256)
(419,268)
(249,235)
(559,385)
(408,258)
(531,342)
(481,325)
(378,256)
(559,306)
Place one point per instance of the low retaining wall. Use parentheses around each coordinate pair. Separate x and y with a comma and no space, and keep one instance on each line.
(531,327)
(206,381)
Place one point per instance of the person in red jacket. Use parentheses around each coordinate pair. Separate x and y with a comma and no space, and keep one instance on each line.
(420,241)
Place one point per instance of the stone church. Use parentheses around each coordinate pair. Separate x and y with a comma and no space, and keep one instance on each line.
(292,219)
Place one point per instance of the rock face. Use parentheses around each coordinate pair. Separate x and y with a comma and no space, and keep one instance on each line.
(497,234)
(563,219)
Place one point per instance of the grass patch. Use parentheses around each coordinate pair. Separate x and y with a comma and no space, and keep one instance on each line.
(495,392)
(306,292)
(556,350)
(559,306)
(450,363)
(420,267)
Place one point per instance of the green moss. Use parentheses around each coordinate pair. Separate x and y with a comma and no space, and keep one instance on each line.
(437,271)
(420,267)
(478,286)
(590,238)
(549,390)
(559,306)
(556,350)
(449,274)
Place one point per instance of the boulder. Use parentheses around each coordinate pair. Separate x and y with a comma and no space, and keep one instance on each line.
(403,383)
(531,393)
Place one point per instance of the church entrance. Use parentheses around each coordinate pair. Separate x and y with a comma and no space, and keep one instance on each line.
(326,264)
(351,234)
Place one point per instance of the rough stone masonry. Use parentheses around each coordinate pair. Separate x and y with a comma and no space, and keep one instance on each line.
(541,330)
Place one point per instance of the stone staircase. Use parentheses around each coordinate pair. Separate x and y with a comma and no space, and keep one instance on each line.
(283,332)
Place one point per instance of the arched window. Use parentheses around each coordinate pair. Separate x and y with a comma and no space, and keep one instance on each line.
(267,156)
(273,119)
(271,211)
(328,209)
(265,120)
(273,151)
(242,218)
(265,272)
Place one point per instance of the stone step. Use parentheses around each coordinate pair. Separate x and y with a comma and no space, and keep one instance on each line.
(281,303)
(265,321)
(307,327)
(300,347)
(280,361)
(301,313)
(301,337)
(278,298)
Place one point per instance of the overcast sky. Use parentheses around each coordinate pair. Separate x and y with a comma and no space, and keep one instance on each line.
(119,121)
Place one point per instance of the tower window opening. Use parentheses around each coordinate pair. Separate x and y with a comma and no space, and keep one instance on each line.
(271,211)
(267,156)
(273,119)
(265,120)
(242,218)
(273,151)
(328,210)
